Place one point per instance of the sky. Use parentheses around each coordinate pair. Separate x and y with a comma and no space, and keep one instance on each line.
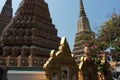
(65,14)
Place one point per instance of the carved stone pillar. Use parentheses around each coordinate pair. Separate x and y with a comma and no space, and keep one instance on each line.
(3,61)
(33,61)
(11,61)
(22,61)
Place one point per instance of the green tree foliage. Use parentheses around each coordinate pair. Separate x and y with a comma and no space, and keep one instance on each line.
(109,36)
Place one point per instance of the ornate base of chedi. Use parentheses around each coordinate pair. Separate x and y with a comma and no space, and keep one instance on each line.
(22,59)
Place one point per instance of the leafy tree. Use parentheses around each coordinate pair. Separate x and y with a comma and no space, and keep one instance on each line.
(109,36)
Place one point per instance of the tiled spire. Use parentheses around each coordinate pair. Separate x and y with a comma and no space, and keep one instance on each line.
(82,11)
(6,15)
(9,2)
(83,23)
(7,9)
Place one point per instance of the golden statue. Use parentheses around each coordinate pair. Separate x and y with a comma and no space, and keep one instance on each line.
(88,70)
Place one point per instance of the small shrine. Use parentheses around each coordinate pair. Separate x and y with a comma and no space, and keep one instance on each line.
(61,65)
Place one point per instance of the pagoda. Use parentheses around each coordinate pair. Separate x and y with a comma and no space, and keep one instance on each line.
(30,36)
(6,14)
(84,31)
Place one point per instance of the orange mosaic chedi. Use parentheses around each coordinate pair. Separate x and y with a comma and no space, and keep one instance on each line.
(29,37)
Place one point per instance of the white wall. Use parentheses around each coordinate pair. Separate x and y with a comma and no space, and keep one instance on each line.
(118,69)
(26,75)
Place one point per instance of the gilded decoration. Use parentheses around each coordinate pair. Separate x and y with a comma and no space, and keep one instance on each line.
(61,65)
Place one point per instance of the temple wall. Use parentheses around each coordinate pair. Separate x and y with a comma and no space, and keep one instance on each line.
(26,75)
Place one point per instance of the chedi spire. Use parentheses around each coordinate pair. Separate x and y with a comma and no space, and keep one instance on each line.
(7,9)
(83,30)
(6,15)
(82,11)
(9,2)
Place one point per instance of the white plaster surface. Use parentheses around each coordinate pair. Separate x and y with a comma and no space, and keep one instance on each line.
(26,75)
